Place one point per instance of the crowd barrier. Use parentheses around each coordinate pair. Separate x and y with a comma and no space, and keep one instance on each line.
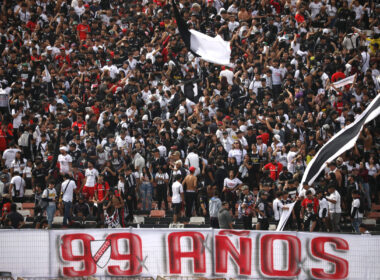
(209,253)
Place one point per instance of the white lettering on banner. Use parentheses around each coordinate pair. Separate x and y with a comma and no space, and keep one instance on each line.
(203,252)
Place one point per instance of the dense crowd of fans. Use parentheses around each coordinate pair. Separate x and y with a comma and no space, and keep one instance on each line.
(136,118)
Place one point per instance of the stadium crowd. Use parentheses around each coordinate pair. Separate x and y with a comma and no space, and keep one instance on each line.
(104,111)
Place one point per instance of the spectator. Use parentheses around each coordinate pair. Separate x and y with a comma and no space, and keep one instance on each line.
(323,211)
(146,188)
(112,219)
(161,180)
(14,218)
(177,197)
(81,209)
(214,206)
(230,186)
(224,216)
(246,207)
(278,206)
(49,195)
(17,186)
(91,175)
(356,213)
(65,161)
(190,185)
(67,194)
(116,202)
(261,208)
(102,190)
(335,209)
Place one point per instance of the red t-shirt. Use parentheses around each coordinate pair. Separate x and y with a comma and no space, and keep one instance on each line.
(274,169)
(299,18)
(339,107)
(314,201)
(101,190)
(83,29)
(265,137)
(78,178)
(80,125)
(6,208)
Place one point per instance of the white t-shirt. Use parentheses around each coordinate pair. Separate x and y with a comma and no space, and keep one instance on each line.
(291,156)
(356,204)
(18,184)
(123,143)
(277,209)
(237,154)
(121,186)
(161,177)
(255,85)
(277,75)
(91,175)
(231,183)
(9,155)
(51,194)
(192,159)
(315,8)
(17,120)
(67,188)
(177,189)
(335,208)
(323,204)
(19,165)
(64,163)
(228,74)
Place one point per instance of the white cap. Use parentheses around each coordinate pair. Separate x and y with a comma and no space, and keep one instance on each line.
(277,137)
(63,148)
(145,118)
(49,48)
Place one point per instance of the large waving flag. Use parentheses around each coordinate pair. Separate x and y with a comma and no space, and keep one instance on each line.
(342,141)
(211,49)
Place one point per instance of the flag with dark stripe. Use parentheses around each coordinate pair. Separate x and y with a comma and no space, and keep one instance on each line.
(344,140)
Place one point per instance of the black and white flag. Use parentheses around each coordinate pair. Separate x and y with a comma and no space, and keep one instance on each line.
(211,49)
(342,141)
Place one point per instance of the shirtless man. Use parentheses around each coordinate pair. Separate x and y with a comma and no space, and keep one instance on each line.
(190,182)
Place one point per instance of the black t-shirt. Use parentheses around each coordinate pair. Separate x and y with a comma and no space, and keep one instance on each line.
(15,218)
(39,177)
(309,217)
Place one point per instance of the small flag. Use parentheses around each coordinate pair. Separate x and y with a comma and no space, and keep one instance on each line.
(346,81)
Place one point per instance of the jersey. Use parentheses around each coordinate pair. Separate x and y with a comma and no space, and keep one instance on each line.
(91,175)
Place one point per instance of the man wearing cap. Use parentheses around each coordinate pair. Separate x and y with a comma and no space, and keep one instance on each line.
(65,161)
(190,185)
(260,145)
